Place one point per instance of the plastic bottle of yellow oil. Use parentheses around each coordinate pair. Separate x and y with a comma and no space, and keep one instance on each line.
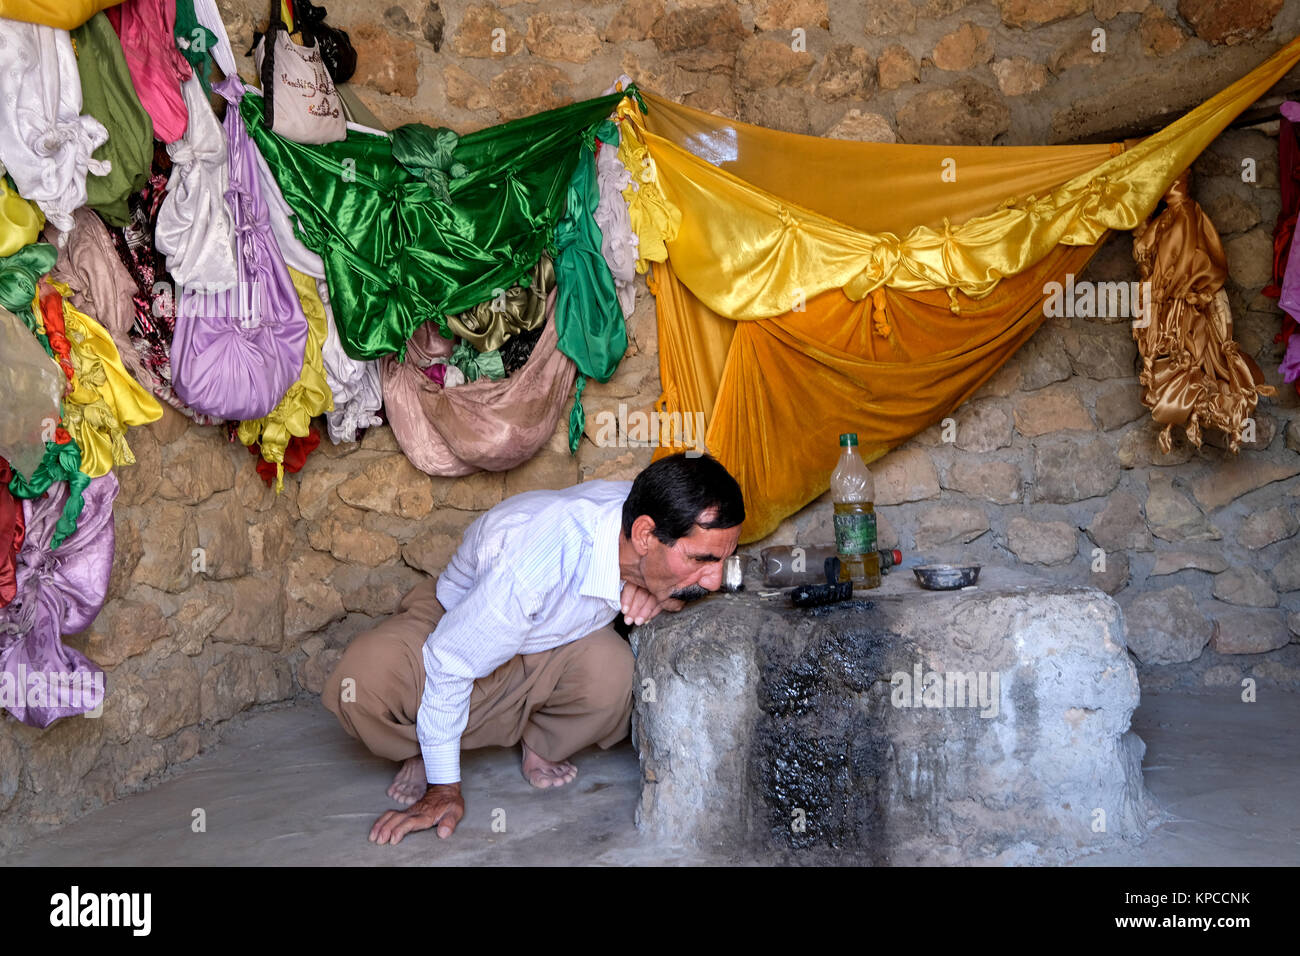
(854,491)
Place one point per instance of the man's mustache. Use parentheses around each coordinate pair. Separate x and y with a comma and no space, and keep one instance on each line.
(692,593)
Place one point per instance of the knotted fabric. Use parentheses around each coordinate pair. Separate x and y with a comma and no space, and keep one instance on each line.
(1193,373)
(238,350)
(47,143)
(59,591)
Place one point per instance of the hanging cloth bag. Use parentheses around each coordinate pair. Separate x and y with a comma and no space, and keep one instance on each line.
(301,102)
(237,350)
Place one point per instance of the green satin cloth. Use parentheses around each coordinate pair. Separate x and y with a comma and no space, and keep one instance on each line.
(19,274)
(108,95)
(520,308)
(477,364)
(61,463)
(588,318)
(427,152)
(395,255)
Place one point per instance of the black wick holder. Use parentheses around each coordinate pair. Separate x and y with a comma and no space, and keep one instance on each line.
(818,595)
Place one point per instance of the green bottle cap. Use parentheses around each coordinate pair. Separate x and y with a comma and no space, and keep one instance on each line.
(848,438)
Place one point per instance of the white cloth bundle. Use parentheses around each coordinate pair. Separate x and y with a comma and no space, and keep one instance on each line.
(194,227)
(47,143)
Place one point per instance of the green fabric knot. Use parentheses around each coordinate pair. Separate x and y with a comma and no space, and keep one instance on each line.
(607,133)
(20,272)
(577,416)
(477,364)
(635,93)
(61,463)
(427,153)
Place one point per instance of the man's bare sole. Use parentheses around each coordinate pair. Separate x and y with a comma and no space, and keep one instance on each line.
(410,783)
(543,774)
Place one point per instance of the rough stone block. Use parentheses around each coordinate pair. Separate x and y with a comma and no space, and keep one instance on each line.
(799,733)
(1167,627)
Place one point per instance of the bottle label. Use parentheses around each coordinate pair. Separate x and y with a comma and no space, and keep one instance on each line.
(855,533)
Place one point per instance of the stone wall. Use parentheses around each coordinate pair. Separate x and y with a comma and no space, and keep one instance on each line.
(1054,456)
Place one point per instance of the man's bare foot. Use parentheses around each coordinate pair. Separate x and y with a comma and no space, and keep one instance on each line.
(410,783)
(541,773)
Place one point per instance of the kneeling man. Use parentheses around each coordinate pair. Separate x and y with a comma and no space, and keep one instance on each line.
(512,644)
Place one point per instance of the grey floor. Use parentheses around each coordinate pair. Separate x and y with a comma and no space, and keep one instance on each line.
(288,787)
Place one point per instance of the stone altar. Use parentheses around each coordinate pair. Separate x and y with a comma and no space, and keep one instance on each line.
(904,727)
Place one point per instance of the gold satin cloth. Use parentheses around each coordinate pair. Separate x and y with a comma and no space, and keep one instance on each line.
(489,325)
(1193,373)
(860,215)
(306,398)
(791,311)
(104,400)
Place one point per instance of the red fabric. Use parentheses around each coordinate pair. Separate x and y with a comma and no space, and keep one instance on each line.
(55,331)
(295,455)
(12,531)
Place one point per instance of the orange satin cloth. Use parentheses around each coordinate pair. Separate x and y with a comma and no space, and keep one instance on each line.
(778,392)
(1193,373)
(872,187)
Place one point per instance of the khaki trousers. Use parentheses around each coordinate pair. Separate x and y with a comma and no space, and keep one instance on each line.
(557,701)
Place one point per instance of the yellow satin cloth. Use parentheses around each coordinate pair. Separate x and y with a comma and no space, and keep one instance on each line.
(832,213)
(104,399)
(306,398)
(21,221)
(60,14)
(791,311)
(1193,373)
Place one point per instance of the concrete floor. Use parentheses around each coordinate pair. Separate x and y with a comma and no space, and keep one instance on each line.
(288,787)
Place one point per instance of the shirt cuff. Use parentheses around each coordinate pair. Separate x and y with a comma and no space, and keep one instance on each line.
(442,763)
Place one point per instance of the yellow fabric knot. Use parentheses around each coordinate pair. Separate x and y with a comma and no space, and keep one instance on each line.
(879,316)
(953,305)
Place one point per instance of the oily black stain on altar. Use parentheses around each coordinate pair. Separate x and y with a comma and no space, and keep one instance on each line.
(816,748)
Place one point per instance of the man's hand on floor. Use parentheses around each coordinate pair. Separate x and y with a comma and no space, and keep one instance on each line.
(639,605)
(441,806)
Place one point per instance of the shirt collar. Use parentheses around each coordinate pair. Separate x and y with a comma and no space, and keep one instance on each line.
(603,579)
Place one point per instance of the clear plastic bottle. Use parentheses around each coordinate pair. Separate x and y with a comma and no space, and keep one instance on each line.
(853,491)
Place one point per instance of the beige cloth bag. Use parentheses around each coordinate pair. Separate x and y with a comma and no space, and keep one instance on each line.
(301,101)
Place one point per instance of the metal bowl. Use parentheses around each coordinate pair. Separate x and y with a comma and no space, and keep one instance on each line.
(946,577)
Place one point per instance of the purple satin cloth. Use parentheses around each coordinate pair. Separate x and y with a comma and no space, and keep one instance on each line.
(60,591)
(1289,300)
(237,351)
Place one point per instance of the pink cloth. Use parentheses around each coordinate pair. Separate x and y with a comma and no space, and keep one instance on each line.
(147,29)
(479,426)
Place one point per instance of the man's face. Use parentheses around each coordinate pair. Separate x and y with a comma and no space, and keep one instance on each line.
(690,567)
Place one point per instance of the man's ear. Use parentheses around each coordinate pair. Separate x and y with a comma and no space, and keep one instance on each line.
(643,534)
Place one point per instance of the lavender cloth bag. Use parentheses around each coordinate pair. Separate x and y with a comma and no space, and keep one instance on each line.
(60,591)
(237,351)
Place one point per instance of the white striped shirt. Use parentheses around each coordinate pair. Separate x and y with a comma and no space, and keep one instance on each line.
(537,571)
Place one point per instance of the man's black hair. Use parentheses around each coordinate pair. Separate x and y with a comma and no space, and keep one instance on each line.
(676,490)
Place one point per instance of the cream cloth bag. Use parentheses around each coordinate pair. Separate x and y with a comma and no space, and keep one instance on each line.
(301,101)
